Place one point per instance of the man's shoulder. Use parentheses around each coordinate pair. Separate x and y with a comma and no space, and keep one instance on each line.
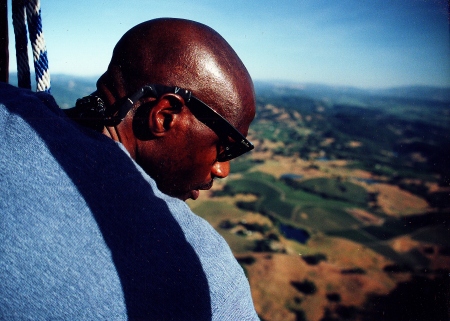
(84,186)
(15,98)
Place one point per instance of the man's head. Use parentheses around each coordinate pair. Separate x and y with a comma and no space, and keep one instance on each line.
(165,133)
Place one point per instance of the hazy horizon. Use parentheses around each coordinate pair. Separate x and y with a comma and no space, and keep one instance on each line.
(276,82)
(361,44)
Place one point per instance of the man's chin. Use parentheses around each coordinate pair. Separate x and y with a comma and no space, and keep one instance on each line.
(194,194)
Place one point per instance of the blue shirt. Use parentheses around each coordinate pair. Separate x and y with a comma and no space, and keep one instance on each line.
(85,234)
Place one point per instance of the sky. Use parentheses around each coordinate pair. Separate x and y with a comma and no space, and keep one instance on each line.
(358,43)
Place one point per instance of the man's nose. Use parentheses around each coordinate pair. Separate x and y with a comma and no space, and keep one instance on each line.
(221,169)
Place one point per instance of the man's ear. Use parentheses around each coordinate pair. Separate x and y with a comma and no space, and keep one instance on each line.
(164,114)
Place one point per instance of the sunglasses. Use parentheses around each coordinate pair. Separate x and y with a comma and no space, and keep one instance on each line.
(233,143)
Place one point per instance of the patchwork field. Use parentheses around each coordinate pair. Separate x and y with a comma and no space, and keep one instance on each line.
(326,237)
(351,253)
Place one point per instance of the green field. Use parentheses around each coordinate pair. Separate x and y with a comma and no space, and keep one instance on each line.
(311,211)
(320,206)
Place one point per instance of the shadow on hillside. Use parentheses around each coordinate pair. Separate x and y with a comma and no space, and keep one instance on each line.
(420,299)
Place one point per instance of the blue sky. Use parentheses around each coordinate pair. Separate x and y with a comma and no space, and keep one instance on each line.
(361,43)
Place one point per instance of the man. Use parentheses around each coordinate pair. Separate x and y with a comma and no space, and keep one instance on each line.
(85,231)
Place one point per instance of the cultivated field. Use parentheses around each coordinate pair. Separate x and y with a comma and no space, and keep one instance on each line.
(325,237)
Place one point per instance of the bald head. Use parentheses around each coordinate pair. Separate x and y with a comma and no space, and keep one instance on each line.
(187,54)
(180,152)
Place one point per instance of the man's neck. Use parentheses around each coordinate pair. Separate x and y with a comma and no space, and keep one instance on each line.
(112,133)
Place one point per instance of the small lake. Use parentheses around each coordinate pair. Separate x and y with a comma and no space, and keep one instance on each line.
(294,233)
(291,176)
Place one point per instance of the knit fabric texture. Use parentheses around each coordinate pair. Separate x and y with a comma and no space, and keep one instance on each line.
(85,234)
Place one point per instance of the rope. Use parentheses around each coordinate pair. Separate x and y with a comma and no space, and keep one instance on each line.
(32,10)
(4,42)
(20,32)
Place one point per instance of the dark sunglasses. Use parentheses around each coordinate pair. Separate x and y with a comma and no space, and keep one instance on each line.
(233,143)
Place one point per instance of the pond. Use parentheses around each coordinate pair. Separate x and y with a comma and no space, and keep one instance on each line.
(294,233)
(291,176)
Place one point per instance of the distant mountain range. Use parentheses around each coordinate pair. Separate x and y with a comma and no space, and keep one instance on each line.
(67,89)
(321,91)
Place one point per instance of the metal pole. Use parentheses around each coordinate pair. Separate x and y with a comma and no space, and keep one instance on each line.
(4,53)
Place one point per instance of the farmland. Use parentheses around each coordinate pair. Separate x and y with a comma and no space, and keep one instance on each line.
(339,208)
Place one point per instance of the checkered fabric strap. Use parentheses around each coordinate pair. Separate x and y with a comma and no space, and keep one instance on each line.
(28,12)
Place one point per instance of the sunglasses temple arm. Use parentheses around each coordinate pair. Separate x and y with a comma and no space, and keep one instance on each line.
(131,101)
(128,104)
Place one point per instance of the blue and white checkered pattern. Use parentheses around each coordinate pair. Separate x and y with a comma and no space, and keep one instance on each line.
(30,9)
